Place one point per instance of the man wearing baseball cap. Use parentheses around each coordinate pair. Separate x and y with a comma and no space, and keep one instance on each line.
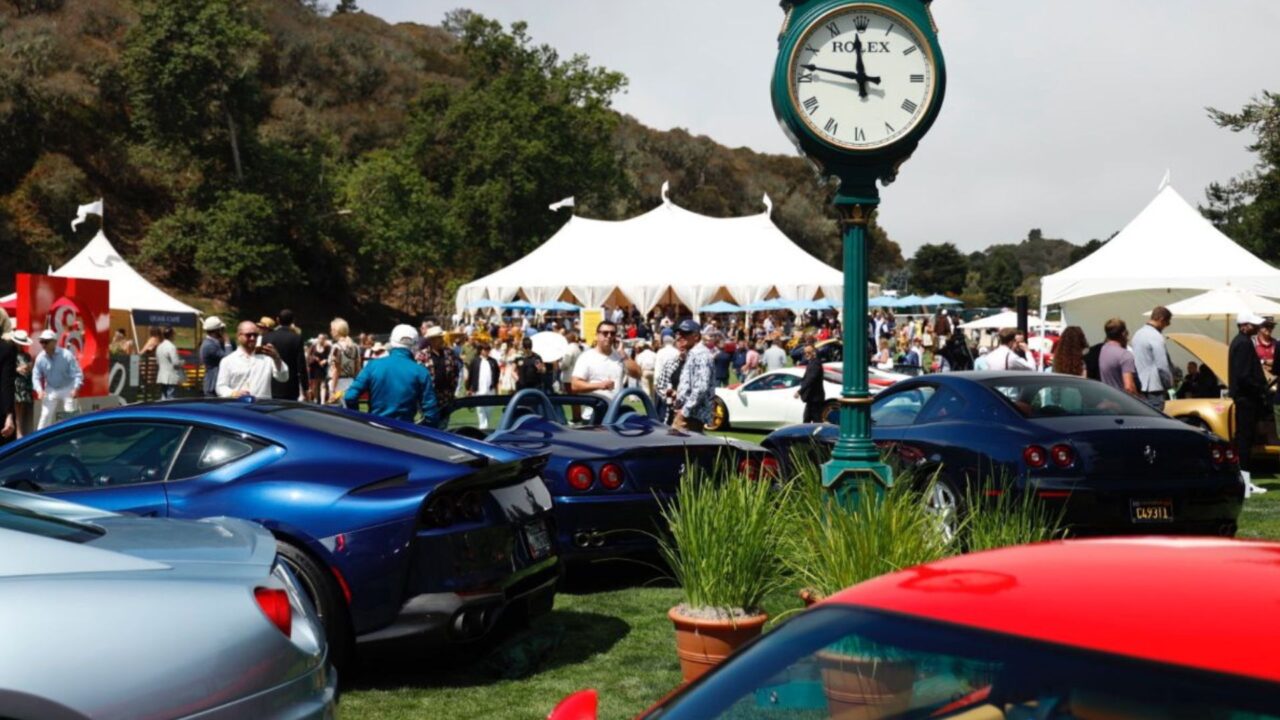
(1248,388)
(56,377)
(212,350)
(696,391)
(398,387)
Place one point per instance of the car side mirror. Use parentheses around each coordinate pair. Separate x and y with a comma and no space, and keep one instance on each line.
(582,705)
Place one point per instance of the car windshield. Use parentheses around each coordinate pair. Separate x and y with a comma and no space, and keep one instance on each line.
(367,429)
(485,411)
(842,662)
(1041,395)
(14,517)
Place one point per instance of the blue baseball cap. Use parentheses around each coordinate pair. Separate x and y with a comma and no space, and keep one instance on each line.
(688,326)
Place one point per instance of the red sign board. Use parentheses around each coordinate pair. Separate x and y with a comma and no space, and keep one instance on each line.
(77,310)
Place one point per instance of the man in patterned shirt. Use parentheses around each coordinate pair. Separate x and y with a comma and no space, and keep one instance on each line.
(443,366)
(695,394)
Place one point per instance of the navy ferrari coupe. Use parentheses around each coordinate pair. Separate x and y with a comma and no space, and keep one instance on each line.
(1110,462)
(612,463)
(397,532)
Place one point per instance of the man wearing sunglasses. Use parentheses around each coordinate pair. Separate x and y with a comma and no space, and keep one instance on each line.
(251,368)
(599,370)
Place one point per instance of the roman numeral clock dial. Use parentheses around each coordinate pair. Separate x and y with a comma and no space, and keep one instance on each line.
(862,77)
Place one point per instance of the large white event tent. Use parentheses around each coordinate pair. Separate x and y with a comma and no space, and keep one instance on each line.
(1169,252)
(667,255)
(131,294)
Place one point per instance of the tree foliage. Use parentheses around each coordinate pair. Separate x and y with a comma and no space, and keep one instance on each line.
(1001,277)
(527,127)
(1247,208)
(939,268)
(190,68)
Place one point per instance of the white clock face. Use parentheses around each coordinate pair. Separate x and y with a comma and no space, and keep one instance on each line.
(862,77)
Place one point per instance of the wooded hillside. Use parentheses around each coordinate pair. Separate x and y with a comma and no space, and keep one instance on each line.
(254,153)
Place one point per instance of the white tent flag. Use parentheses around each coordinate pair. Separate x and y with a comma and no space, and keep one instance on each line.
(93,208)
(567,202)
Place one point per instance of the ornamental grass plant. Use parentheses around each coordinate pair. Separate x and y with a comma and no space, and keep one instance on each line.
(723,540)
(828,547)
(998,517)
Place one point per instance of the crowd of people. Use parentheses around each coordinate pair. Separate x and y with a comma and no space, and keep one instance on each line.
(417,373)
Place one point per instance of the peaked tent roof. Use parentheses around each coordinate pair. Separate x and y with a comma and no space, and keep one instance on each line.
(1168,245)
(99,260)
(693,255)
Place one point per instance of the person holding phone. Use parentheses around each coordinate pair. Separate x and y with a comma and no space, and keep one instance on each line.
(251,368)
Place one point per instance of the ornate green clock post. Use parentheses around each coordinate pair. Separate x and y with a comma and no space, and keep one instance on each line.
(855,87)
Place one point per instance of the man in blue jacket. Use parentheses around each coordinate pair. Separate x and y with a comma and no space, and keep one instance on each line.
(398,386)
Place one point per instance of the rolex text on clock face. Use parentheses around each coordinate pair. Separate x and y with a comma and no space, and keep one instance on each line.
(862,77)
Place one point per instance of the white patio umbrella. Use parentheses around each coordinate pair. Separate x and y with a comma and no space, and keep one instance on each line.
(1226,303)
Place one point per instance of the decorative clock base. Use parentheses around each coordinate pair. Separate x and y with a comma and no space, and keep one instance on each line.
(849,481)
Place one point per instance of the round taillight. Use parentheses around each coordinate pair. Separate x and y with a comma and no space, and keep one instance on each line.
(439,512)
(579,477)
(471,505)
(1035,456)
(611,477)
(1063,456)
(1216,452)
(769,468)
(1230,454)
(275,605)
(749,467)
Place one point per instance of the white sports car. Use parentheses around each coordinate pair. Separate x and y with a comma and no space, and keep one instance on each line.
(769,401)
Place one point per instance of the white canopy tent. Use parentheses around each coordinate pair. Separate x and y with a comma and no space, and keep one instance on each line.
(1169,252)
(99,260)
(1008,319)
(667,254)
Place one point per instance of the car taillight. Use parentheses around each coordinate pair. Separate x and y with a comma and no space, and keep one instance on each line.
(439,512)
(579,477)
(611,477)
(1063,456)
(471,505)
(1035,456)
(1223,454)
(275,605)
(769,468)
(749,467)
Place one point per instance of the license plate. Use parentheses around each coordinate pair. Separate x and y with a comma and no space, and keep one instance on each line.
(1151,511)
(537,540)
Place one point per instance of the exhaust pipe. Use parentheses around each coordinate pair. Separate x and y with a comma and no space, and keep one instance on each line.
(581,539)
(597,539)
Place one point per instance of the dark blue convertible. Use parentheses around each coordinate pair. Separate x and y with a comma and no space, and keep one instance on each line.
(397,532)
(1108,460)
(611,463)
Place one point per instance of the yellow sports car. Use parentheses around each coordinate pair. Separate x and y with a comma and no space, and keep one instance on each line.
(1217,414)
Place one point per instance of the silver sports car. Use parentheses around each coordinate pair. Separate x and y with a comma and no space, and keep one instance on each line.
(113,616)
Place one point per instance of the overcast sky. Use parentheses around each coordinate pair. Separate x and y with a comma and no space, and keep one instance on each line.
(1060,114)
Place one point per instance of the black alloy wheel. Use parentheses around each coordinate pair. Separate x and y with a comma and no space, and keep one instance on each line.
(322,588)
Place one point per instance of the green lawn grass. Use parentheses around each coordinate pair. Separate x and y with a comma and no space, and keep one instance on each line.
(618,641)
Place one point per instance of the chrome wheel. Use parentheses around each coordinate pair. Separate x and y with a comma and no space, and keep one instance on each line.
(944,504)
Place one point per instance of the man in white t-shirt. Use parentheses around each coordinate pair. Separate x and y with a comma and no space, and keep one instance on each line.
(599,370)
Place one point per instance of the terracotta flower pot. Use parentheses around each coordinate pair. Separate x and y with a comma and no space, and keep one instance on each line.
(861,688)
(703,644)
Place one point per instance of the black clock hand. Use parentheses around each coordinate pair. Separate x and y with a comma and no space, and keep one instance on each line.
(842,73)
(862,70)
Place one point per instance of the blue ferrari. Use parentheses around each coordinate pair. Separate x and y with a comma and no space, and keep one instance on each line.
(612,463)
(1111,463)
(397,532)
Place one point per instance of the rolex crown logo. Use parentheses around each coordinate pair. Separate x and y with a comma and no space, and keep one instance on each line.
(862,22)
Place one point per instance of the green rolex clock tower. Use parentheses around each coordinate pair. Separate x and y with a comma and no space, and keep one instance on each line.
(856,85)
